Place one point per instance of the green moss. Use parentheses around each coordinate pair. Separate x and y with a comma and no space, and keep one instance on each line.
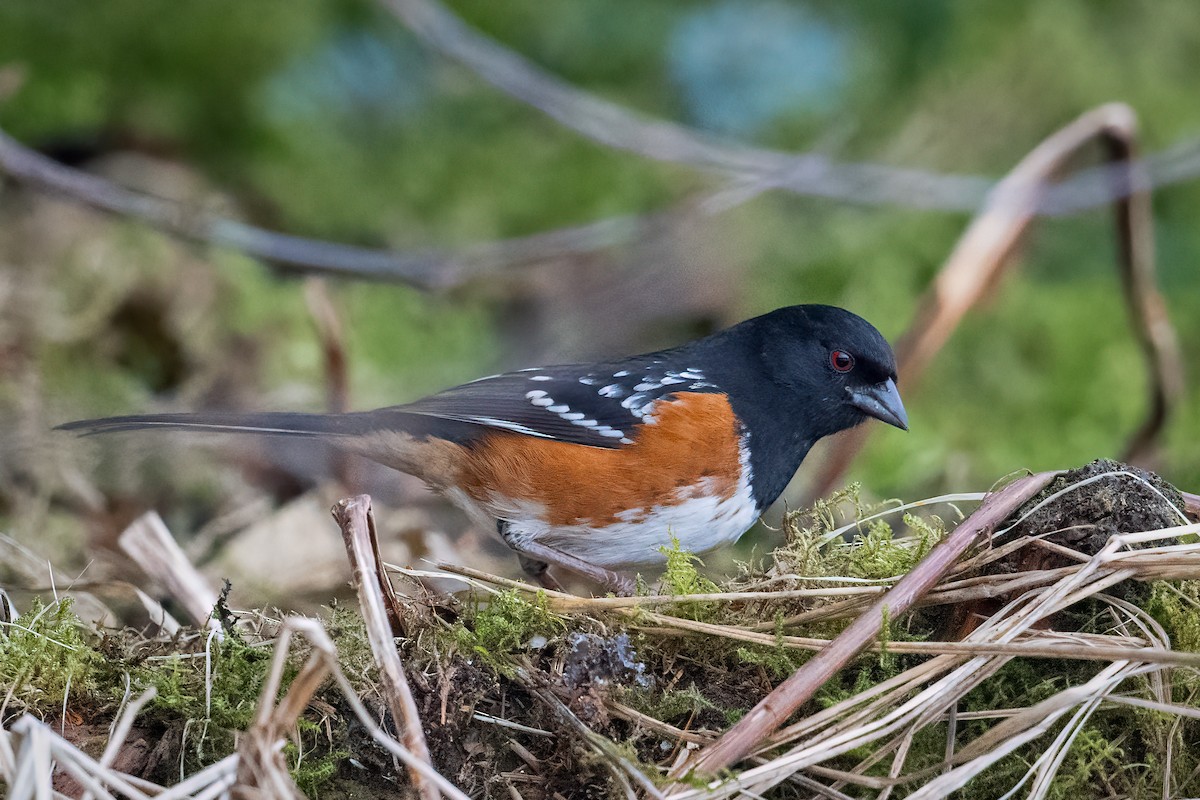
(1087,766)
(672,704)
(345,626)
(310,759)
(226,697)
(880,554)
(877,550)
(215,705)
(47,660)
(504,623)
(806,529)
(681,577)
(1176,606)
(779,661)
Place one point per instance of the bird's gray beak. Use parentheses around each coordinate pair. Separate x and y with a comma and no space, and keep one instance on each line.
(881,401)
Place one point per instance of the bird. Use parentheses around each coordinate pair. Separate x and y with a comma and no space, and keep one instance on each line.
(597,468)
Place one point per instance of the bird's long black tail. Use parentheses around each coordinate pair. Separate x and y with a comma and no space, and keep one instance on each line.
(396,437)
(275,423)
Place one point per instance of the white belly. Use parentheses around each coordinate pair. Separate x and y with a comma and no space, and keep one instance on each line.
(700,525)
(701,522)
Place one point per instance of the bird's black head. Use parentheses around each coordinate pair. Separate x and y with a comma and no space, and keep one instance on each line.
(836,362)
(804,372)
(793,376)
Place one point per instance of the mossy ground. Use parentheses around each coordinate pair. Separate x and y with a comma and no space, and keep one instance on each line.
(504,683)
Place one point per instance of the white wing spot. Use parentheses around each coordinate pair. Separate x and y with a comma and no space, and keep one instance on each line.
(692,374)
(535,394)
(540,378)
(621,373)
(558,409)
(671,379)
(542,402)
(573,416)
(587,380)
(612,390)
(646,386)
(634,400)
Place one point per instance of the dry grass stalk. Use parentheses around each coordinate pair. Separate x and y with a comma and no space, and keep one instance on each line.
(985,252)
(324,663)
(354,517)
(1134,654)
(776,707)
(892,713)
(150,545)
(30,750)
(887,717)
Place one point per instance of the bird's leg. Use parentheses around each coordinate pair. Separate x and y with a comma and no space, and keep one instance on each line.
(539,571)
(537,558)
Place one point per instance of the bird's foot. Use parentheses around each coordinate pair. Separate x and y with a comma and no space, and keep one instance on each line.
(536,559)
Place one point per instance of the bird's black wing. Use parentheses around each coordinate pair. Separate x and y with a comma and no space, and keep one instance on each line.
(598,405)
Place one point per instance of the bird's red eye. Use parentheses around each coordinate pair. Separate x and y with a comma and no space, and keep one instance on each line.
(841,361)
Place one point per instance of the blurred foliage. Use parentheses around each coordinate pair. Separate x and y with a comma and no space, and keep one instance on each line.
(327,119)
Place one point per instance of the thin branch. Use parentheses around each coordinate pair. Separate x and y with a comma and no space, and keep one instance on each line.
(615,126)
(1147,308)
(984,254)
(759,169)
(429,269)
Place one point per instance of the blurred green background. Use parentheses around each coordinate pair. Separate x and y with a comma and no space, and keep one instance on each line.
(328,119)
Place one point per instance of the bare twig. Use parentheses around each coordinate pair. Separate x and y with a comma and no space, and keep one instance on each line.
(777,706)
(429,269)
(149,543)
(755,169)
(615,126)
(985,252)
(354,517)
(332,337)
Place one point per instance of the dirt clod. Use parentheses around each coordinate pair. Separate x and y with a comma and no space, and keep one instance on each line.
(1109,498)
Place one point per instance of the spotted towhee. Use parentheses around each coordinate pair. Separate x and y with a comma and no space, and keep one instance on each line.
(594,467)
